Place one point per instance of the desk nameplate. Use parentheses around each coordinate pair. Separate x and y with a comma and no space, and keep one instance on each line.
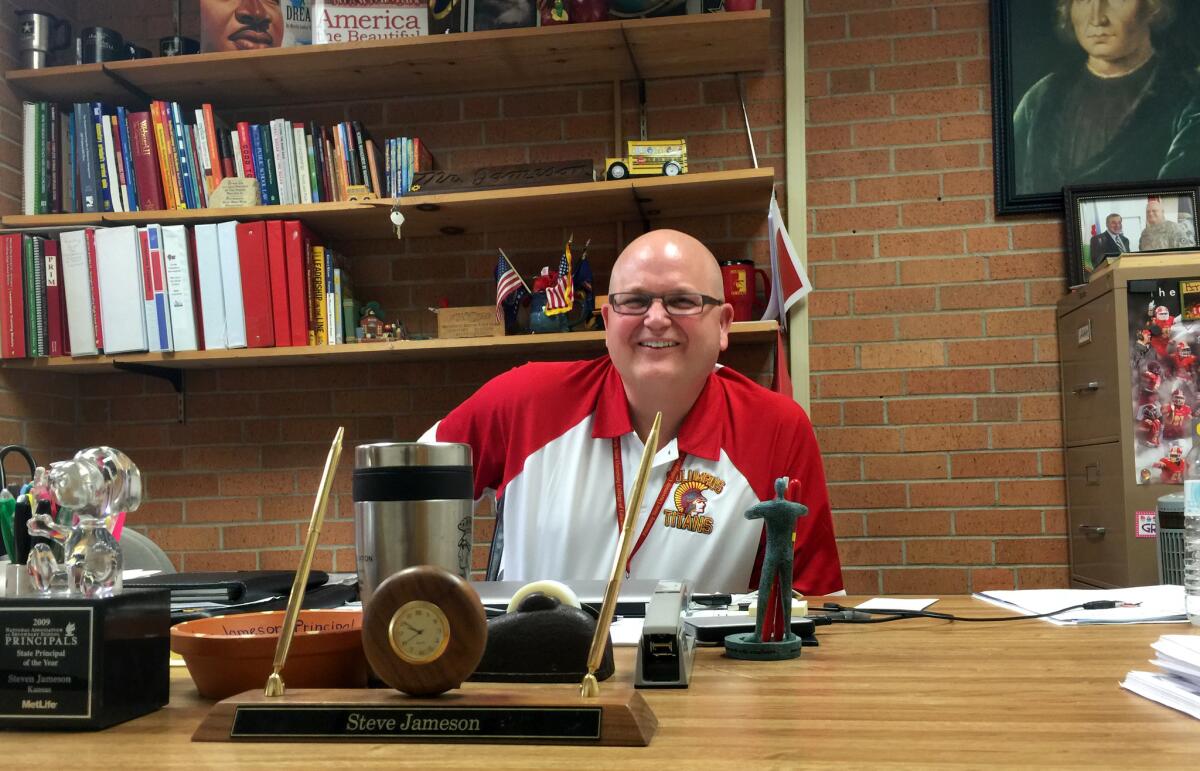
(364,722)
(513,714)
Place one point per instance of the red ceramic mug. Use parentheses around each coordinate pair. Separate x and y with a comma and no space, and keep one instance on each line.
(738,277)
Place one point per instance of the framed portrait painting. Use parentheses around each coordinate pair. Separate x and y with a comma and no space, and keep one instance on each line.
(1089,92)
(1107,221)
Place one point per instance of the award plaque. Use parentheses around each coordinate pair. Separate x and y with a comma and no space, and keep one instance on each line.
(83,662)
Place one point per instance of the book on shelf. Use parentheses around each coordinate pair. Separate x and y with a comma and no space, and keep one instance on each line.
(12,297)
(355,21)
(119,277)
(55,308)
(77,293)
(211,287)
(177,262)
(231,285)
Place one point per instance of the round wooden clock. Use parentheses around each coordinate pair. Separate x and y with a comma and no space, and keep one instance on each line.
(424,630)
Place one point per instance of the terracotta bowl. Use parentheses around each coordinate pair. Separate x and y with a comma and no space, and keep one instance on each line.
(230,654)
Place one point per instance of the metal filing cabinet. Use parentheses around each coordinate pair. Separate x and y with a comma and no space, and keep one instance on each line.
(1105,456)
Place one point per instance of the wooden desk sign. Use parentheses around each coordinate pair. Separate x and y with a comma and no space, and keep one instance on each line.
(234,192)
(514,714)
(472,321)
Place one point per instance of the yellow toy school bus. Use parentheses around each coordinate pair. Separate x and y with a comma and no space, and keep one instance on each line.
(649,157)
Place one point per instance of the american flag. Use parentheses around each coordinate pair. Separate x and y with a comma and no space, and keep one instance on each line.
(560,298)
(508,281)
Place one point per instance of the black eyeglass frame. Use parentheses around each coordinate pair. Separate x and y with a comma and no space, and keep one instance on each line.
(614,301)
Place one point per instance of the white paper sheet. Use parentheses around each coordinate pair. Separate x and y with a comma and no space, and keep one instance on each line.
(1154,604)
(894,603)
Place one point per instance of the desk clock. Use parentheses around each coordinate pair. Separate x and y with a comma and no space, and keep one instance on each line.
(424,630)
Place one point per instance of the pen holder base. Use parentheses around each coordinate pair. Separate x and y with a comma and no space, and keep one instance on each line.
(513,714)
(80,663)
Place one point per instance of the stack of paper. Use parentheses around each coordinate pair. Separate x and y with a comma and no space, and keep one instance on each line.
(1178,686)
(1139,604)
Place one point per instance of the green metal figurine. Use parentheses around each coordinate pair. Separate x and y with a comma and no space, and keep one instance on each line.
(780,642)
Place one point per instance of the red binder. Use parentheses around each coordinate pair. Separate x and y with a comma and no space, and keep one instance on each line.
(256,284)
(298,241)
(56,309)
(12,297)
(277,262)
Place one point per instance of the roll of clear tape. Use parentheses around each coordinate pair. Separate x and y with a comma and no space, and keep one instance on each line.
(550,588)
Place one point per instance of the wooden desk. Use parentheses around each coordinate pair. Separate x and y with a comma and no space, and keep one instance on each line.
(912,694)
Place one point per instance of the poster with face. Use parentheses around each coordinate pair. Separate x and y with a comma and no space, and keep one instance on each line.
(1164,324)
(249,25)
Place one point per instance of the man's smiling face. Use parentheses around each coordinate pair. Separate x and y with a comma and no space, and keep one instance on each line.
(657,347)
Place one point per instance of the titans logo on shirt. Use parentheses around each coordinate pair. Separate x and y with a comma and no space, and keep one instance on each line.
(691,502)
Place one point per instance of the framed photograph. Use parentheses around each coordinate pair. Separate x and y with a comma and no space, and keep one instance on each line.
(1090,92)
(1109,220)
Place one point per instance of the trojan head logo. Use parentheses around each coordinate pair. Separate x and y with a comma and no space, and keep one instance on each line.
(691,502)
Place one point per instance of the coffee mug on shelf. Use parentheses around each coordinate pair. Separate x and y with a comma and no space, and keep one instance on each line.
(100,44)
(738,277)
(39,36)
(177,45)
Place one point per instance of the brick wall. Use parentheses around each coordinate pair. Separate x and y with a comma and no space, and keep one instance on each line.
(935,380)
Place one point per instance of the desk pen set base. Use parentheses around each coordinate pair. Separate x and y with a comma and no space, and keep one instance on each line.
(528,714)
(83,662)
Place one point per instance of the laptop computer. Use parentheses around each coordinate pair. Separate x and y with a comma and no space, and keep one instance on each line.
(631,601)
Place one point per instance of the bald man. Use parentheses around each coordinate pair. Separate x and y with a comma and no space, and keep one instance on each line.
(1162,233)
(555,442)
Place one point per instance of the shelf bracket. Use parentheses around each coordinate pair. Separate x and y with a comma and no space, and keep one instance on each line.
(125,84)
(174,376)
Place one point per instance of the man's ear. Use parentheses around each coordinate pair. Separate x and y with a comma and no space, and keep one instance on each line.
(604,314)
(726,321)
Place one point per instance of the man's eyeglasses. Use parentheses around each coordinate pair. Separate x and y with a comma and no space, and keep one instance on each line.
(675,303)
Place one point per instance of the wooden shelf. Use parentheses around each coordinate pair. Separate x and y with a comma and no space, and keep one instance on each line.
(477,61)
(743,333)
(743,190)
(717,192)
(339,220)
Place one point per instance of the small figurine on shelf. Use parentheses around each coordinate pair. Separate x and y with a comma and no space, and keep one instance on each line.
(370,322)
(563,299)
(372,328)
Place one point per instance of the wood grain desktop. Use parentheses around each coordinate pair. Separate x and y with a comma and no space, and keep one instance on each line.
(908,694)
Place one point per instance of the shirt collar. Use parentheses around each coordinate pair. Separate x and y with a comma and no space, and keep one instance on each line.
(700,434)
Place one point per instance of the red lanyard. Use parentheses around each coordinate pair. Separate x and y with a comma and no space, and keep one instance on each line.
(619,478)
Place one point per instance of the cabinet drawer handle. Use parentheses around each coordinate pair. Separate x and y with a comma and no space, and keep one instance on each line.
(1092,530)
(1094,385)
